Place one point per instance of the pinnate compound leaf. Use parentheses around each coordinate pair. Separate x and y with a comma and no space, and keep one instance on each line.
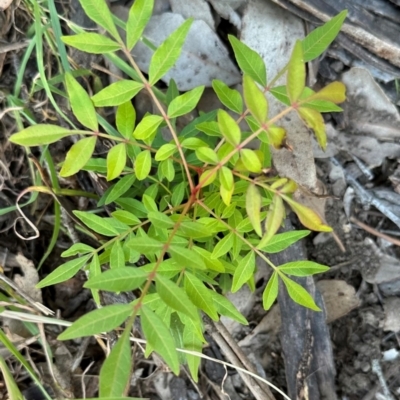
(244,271)
(116,161)
(186,257)
(200,295)
(175,297)
(253,207)
(298,294)
(270,292)
(91,43)
(98,11)
(250,62)
(281,241)
(255,99)
(223,246)
(96,223)
(226,308)
(145,245)
(143,165)
(125,119)
(274,219)
(39,135)
(116,369)
(159,337)
(165,151)
(147,127)
(185,103)
(118,280)
(229,128)
(117,93)
(81,105)
(303,268)
(101,320)
(316,42)
(168,53)
(63,272)
(117,256)
(120,188)
(250,160)
(296,76)
(307,217)
(230,98)
(335,92)
(139,16)
(78,156)
(315,121)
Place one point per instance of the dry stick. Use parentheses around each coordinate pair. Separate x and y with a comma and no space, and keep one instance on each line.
(259,392)
(374,231)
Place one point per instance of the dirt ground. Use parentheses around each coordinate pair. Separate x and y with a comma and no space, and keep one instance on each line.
(364,331)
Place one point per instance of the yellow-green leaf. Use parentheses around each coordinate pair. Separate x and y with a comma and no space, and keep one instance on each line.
(207,177)
(296,76)
(274,219)
(117,93)
(230,98)
(334,92)
(139,16)
(229,128)
(81,105)
(253,207)
(276,136)
(255,99)
(185,103)
(307,217)
(244,271)
(271,291)
(250,160)
(125,119)
(116,161)
(147,127)
(91,43)
(315,121)
(39,135)
(78,155)
(143,165)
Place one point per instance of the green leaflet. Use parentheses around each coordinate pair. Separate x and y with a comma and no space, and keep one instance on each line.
(116,369)
(91,43)
(78,155)
(120,188)
(101,320)
(296,76)
(39,135)
(125,119)
(165,151)
(147,127)
(298,294)
(230,98)
(200,295)
(255,99)
(244,271)
(145,245)
(139,16)
(225,307)
(281,241)
(186,257)
(143,165)
(249,61)
(175,297)
(117,93)
(118,280)
(98,11)
(271,291)
(223,246)
(229,128)
(168,53)
(63,272)
(253,206)
(185,103)
(81,105)
(316,42)
(303,268)
(96,223)
(117,256)
(116,161)
(159,337)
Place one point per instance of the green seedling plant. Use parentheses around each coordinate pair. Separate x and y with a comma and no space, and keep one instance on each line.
(199,208)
